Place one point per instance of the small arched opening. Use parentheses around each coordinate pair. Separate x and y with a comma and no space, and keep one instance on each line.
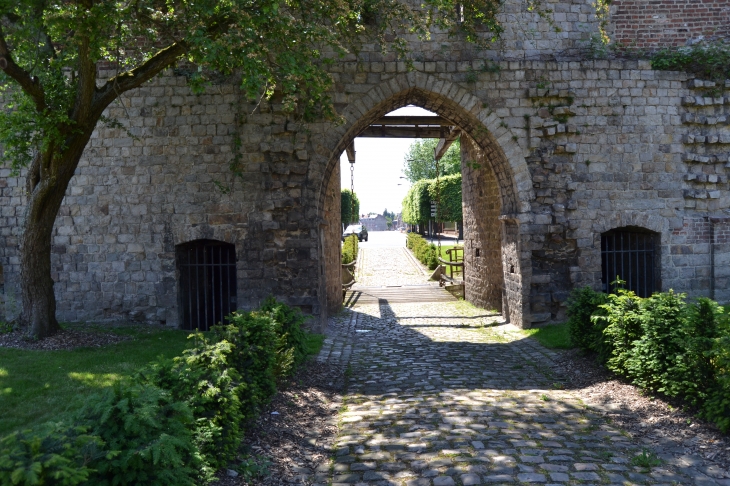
(630,254)
(206,271)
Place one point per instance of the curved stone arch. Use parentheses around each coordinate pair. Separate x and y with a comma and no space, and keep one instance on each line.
(621,219)
(489,133)
(188,233)
(451,101)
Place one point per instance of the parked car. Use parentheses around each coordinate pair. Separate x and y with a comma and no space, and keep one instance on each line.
(356,229)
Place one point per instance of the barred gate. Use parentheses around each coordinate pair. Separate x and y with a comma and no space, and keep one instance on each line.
(207,282)
(631,256)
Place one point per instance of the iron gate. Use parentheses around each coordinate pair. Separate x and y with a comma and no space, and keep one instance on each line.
(207,282)
(630,255)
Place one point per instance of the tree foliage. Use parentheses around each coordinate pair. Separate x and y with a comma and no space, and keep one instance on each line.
(417,203)
(419,162)
(347,216)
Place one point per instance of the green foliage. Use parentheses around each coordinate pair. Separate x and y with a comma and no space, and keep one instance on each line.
(717,406)
(347,216)
(255,341)
(350,249)
(425,252)
(148,434)
(706,60)
(292,338)
(50,454)
(582,304)
(205,381)
(417,203)
(646,459)
(661,343)
(657,361)
(622,320)
(419,162)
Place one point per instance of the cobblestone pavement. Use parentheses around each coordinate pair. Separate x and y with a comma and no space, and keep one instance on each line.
(376,267)
(444,394)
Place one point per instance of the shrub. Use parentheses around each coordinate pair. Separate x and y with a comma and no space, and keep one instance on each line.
(622,327)
(426,253)
(349,249)
(204,379)
(717,406)
(291,350)
(657,360)
(50,454)
(149,436)
(708,60)
(584,332)
(254,340)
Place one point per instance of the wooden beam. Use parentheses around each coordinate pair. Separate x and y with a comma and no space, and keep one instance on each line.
(445,142)
(413,121)
(374,131)
(351,152)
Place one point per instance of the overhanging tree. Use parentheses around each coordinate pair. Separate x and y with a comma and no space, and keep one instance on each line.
(50,51)
(419,162)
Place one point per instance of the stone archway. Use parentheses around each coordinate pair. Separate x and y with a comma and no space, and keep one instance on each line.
(488,135)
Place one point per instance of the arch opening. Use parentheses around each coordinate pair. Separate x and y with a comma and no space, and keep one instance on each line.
(495,194)
(206,275)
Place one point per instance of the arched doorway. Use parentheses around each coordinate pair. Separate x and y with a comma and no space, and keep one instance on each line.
(496,155)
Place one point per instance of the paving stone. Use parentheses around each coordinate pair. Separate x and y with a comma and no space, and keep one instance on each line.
(444,395)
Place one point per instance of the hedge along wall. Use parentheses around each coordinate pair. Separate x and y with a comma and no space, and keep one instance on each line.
(417,203)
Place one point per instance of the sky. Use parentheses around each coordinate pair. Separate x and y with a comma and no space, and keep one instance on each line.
(378,168)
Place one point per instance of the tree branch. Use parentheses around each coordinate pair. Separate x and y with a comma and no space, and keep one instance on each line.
(87,84)
(132,79)
(28,83)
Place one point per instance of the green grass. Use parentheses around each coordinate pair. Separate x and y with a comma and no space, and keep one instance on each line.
(551,336)
(38,386)
(314,343)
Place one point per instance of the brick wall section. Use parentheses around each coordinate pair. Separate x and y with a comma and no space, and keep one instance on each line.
(660,23)
(332,249)
(482,233)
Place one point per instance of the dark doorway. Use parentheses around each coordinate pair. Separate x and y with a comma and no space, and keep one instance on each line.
(630,255)
(207,282)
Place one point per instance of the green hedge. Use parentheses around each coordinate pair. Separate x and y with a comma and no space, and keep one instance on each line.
(177,421)
(349,249)
(424,251)
(663,344)
(417,203)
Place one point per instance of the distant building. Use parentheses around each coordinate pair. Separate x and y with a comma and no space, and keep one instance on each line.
(374,223)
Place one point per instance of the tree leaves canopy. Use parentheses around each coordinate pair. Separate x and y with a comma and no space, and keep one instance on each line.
(419,162)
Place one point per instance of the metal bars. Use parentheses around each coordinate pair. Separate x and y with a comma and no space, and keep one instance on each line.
(207,283)
(630,256)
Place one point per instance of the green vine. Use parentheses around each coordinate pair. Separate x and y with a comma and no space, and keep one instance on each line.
(708,61)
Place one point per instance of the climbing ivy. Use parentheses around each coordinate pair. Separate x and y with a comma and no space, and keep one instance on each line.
(706,60)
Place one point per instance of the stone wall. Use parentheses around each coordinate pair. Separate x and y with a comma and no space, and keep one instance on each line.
(331,233)
(650,25)
(484,282)
(576,148)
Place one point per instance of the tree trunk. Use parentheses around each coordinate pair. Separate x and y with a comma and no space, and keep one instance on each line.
(46,194)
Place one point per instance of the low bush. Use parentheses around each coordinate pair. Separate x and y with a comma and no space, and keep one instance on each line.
(662,344)
(148,435)
(174,422)
(426,253)
(349,249)
(53,453)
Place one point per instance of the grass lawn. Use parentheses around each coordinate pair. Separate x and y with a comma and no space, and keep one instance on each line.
(37,386)
(551,336)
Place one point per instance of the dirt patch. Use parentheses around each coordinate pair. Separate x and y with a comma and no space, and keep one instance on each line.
(654,421)
(292,439)
(64,340)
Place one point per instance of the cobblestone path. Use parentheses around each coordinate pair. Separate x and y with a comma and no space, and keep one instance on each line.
(388,266)
(444,394)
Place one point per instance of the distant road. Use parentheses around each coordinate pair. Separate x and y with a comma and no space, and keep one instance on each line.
(384,239)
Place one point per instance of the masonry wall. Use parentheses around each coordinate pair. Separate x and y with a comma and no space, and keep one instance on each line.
(332,232)
(482,229)
(577,148)
(653,24)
